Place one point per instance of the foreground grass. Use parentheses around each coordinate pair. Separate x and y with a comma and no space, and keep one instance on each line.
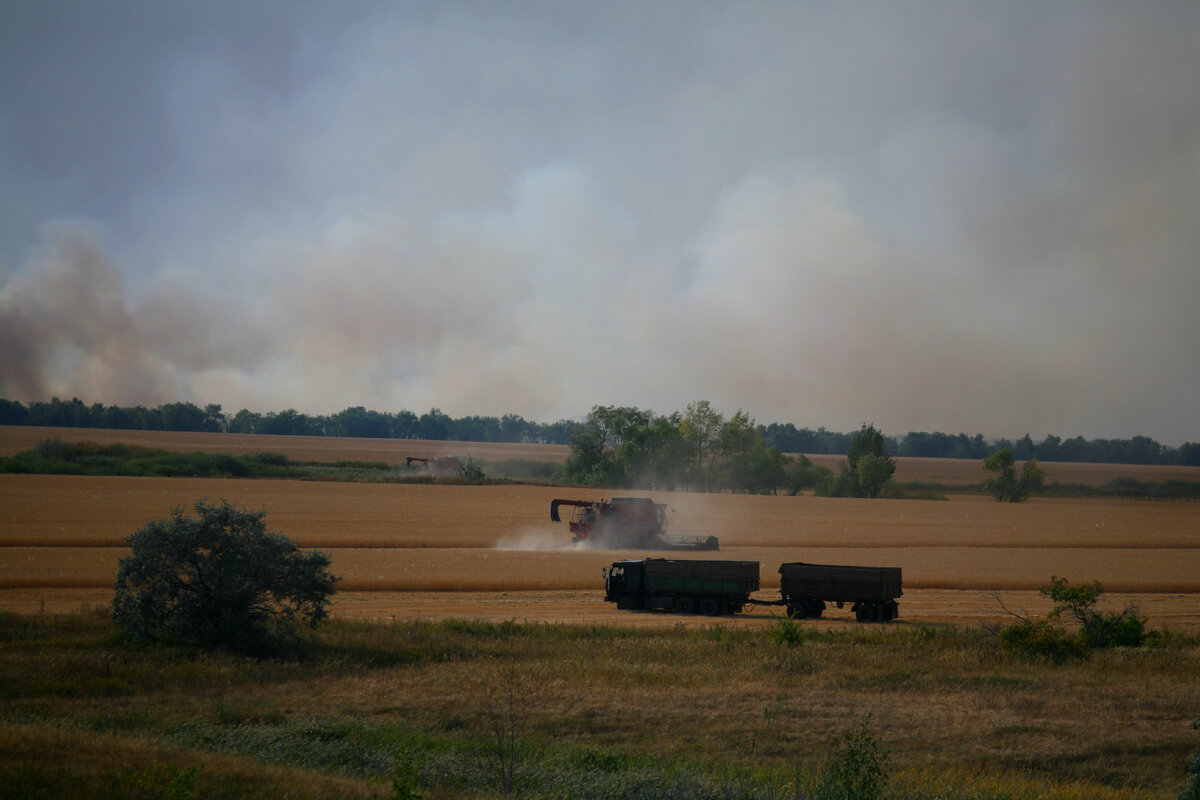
(467,709)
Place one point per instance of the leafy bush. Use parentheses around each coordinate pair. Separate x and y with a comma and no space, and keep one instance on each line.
(787,631)
(221,580)
(1006,485)
(855,770)
(1124,629)
(1192,790)
(1038,639)
(1097,629)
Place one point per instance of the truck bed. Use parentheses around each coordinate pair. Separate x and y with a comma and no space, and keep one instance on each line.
(837,583)
(733,577)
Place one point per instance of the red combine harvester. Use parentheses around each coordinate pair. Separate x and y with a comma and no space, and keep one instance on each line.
(625,523)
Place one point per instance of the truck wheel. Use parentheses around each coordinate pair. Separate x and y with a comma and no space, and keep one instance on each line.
(685,605)
(709,607)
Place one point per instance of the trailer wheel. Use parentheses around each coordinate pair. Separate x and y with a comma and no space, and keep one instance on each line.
(865,613)
(685,605)
(709,607)
(814,608)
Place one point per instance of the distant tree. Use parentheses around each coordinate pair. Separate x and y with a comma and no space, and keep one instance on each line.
(220,580)
(1189,454)
(288,422)
(1006,486)
(611,447)
(590,462)
(214,418)
(701,429)
(738,443)
(404,424)
(13,413)
(801,473)
(245,421)
(434,425)
(1049,449)
(359,422)
(866,469)
(514,428)
(557,432)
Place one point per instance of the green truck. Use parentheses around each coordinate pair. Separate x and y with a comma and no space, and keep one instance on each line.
(684,585)
(871,591)
(690,586)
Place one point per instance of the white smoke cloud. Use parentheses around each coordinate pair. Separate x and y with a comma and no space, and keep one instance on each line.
(943,220)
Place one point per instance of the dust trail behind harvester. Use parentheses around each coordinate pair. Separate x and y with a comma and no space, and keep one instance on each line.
(534,539)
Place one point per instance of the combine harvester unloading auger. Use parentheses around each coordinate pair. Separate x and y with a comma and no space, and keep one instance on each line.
(625,523)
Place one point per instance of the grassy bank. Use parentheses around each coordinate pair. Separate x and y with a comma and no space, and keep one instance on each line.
(462,709)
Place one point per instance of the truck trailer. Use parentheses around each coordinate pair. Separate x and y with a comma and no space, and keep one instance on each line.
(871,591)
(684,585)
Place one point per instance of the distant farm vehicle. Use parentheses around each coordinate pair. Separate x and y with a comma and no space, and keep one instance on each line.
(439,467)
(724,587)
(625,523)
(703,587)
(870,591)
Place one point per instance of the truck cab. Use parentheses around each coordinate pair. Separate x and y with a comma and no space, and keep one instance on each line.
(623,583)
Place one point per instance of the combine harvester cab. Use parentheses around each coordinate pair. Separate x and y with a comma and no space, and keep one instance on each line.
(625,523)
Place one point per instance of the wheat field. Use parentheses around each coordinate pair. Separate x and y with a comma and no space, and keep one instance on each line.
(429,551)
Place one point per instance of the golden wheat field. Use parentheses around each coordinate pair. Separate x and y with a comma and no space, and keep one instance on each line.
(427,551)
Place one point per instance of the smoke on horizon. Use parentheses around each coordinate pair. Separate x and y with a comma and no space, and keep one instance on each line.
(978,224)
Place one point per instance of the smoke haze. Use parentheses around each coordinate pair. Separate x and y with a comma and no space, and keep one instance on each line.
(976,217)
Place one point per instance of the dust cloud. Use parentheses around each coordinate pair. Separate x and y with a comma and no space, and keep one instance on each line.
(535,539)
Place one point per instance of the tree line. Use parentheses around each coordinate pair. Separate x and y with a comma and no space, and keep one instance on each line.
(700,450)
(358,421)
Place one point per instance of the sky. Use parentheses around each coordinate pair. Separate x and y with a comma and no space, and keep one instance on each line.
(968,217)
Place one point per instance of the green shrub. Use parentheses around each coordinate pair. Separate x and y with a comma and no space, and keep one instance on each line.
(786,631)
(1192,790)
(221,580)
(1038,639)
(855,770)
(1102,630)
(1097,629)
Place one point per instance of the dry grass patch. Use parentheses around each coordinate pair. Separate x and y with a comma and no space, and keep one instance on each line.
(708,701)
